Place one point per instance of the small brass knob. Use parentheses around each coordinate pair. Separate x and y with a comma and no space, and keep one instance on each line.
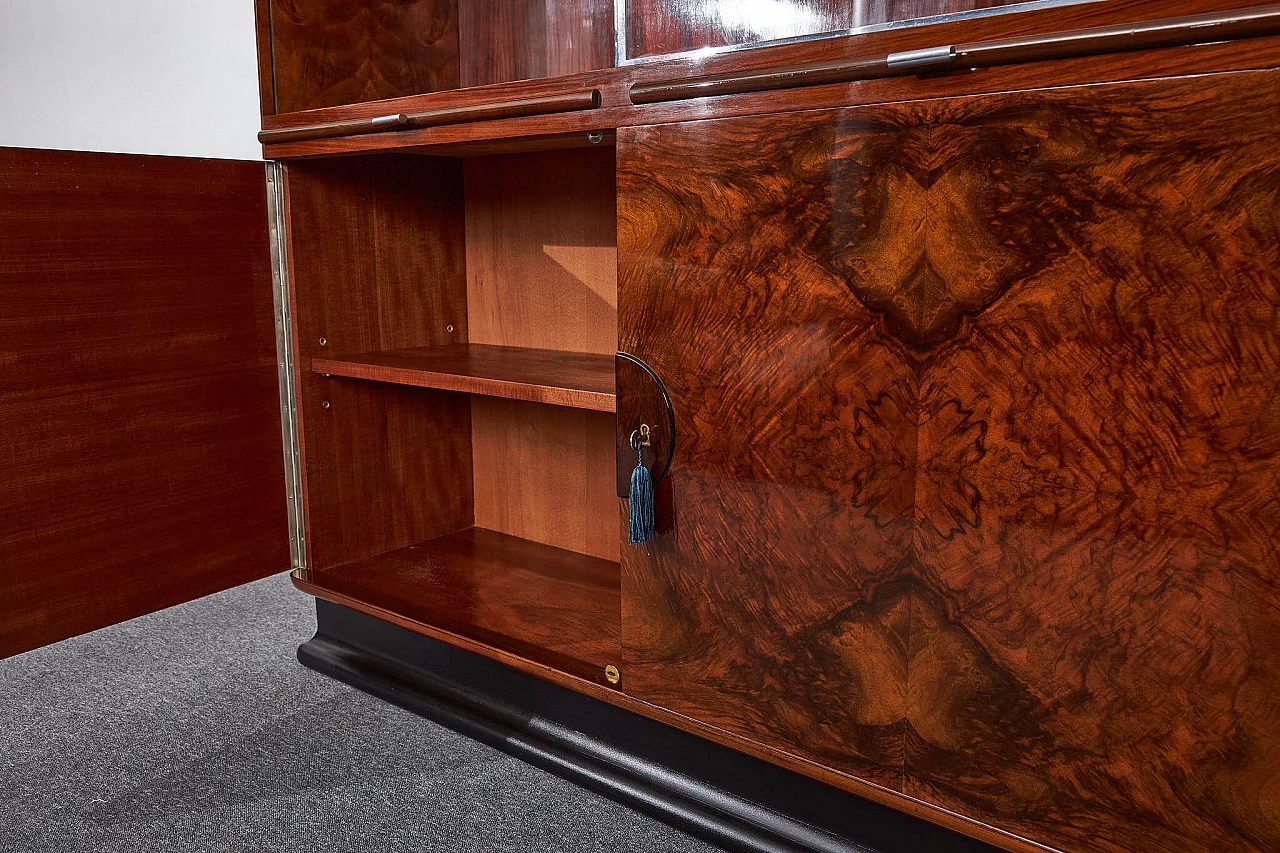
(611,673)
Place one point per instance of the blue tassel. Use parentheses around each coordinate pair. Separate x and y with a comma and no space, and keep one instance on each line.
(641,527)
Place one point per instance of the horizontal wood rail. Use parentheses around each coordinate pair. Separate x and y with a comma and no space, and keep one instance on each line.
(1165,32)
(575,379)
(514,108)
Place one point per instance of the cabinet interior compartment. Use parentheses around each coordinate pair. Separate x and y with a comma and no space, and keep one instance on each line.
(455,321)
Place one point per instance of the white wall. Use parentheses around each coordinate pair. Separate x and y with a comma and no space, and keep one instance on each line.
(139,76)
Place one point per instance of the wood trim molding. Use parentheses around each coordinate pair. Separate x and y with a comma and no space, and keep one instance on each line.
(1147,35)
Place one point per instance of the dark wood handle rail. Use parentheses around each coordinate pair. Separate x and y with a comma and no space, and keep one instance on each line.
(515,108)
(1164,32)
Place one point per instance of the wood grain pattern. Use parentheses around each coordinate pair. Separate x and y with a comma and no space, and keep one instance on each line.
(655,27)
(1072,298)
(542,272)
(543,603)
(328,52)
(1091,41)
(617,111)
(1098,543)
(376,257)
(786,625)
(266,61)
(141,444)
(542,250)
(573,379)
(524,39)
(545,473)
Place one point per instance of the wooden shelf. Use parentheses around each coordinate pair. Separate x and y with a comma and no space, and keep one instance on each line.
(575,379)
(544,604)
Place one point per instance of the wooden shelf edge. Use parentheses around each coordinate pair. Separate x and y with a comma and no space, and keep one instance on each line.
(398,367)
(309,582)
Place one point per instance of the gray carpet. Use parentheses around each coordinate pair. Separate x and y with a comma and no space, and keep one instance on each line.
(195,729)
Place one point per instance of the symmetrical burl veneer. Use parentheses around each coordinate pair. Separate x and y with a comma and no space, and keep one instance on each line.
(976,483)
(327,52)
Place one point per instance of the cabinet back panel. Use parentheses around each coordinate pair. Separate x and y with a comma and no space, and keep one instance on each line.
(542,250)
(542,272)
(546,473)
(377,263)
(139,399)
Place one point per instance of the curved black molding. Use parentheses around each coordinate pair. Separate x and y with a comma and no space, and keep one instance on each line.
(627,459)
(728,798)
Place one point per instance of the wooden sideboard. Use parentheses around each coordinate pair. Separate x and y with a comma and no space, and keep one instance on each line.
(958,338)
(970,333)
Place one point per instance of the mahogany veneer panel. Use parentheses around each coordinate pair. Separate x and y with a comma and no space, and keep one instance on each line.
(545,604)
(1070,298)
(329,52)
(577,380)
(377,264)
(506,40)
(545,473)
(139,396)
(542,250)
(542,272)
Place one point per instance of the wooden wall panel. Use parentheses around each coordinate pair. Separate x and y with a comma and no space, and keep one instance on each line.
(1073,301)
(329,52)
(141,447)
(656,27)
(376,254)
(504,40)
(542,272)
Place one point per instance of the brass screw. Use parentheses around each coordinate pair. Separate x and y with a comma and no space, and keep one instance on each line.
(325,404)
(448,328)
(611,673)
(324,341)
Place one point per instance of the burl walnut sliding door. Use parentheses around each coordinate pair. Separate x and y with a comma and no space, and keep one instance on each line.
(976,487)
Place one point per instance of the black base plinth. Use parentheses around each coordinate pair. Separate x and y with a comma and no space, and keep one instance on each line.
(726,797)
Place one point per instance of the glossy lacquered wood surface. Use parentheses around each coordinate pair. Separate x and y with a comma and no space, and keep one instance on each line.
(141,451)
(655,27)
(506,40)
(542,273)
(573,379)
(1179,31)
(617,110)
(320,53)
(327,52)
(980,503)
(545,604)
(376,260)
(775,608)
